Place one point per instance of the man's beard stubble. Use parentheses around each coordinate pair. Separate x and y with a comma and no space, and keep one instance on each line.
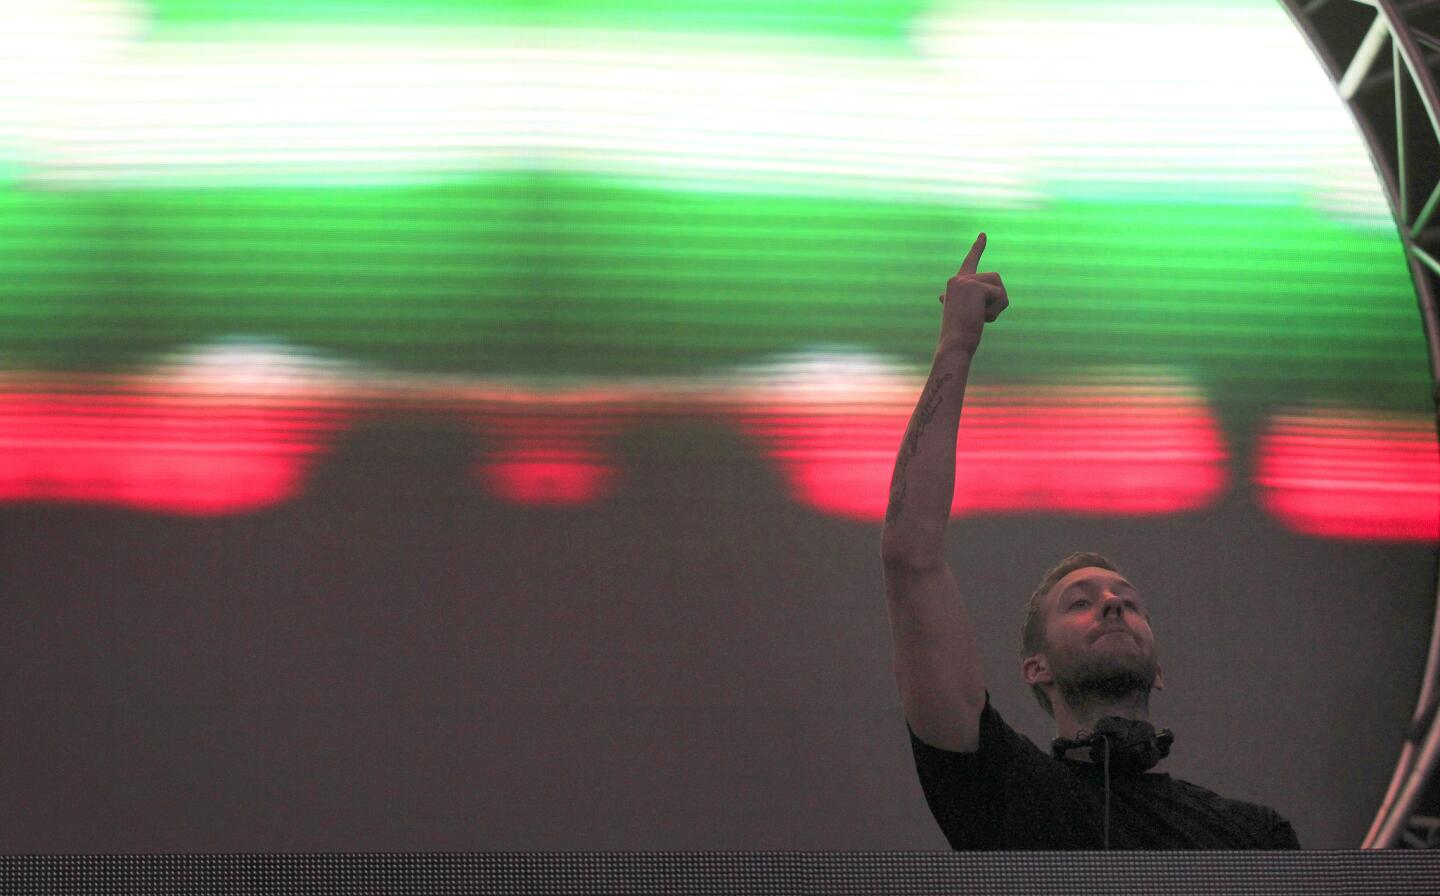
(1094,682)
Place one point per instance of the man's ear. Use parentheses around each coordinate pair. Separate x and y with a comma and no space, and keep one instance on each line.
(1035,669)
(1159,684)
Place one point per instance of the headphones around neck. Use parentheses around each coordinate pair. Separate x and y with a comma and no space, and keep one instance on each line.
(1130,746)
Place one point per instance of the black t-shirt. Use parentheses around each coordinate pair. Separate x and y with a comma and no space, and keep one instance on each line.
(1010,795)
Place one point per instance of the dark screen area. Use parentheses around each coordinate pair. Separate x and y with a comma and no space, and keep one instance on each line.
(394,663)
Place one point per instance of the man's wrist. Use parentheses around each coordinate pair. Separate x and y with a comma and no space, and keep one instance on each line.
(950,353)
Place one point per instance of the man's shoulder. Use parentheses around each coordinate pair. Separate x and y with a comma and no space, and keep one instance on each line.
(1205,794)
(1003,758)
(1263,820)
(996,737)
(1006,794)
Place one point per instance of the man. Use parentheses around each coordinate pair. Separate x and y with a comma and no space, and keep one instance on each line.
(1089,656)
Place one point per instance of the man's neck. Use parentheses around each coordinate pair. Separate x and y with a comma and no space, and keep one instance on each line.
(1071,720)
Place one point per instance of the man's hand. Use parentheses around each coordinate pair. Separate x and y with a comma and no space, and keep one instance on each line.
(971,300)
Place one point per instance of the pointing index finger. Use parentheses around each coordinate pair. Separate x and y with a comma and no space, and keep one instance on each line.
(972,260)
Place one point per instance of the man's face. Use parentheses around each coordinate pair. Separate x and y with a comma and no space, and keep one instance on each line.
(1097,634)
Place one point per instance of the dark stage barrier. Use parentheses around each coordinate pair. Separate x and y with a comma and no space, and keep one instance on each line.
(914,874)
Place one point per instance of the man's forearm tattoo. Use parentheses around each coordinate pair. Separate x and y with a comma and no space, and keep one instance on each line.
(924,413)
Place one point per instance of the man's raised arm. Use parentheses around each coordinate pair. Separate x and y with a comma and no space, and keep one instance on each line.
(937,664)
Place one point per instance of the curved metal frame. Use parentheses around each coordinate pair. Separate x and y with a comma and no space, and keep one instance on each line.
(1399,102)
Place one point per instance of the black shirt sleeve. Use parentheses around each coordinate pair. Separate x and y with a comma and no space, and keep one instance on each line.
(1006,788)
(1282,835)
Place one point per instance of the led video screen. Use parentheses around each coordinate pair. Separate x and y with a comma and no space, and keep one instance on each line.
(466,425)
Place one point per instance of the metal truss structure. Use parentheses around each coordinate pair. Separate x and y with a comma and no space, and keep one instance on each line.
(1384,57)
